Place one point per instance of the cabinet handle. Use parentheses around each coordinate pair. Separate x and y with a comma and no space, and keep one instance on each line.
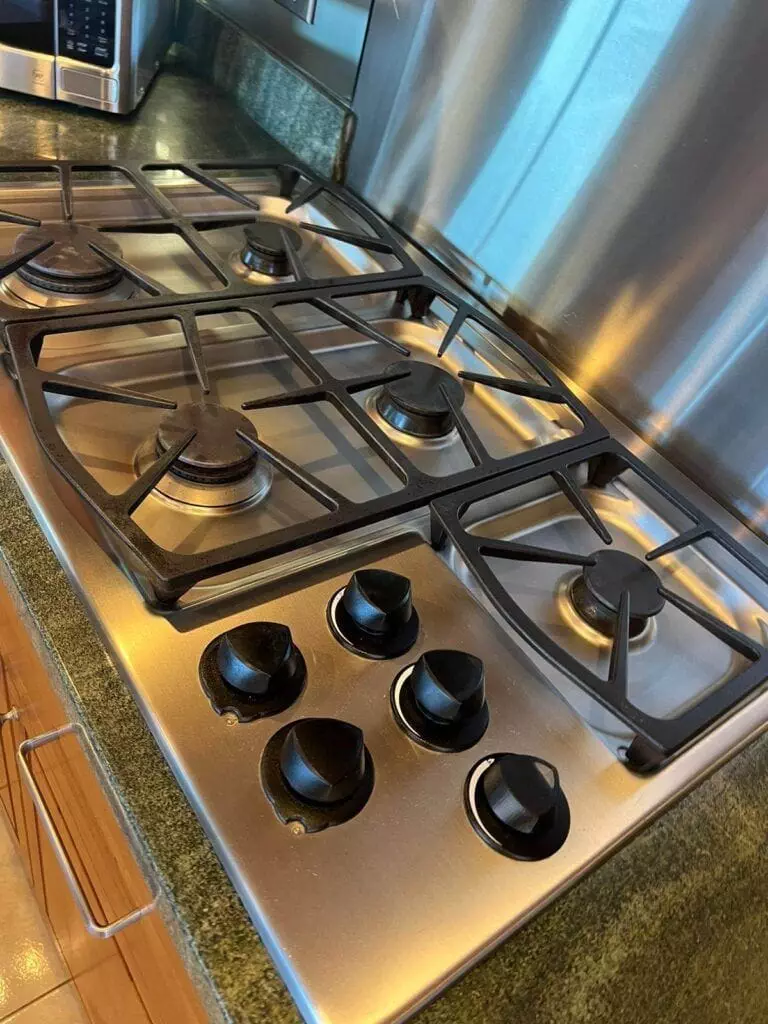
(11,715)
(101,931)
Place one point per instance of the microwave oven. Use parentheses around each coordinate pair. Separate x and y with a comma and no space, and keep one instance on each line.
(97,53)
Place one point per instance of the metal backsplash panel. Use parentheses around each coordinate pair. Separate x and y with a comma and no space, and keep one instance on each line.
(601,167)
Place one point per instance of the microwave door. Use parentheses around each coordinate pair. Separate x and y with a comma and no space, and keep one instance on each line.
(27,46)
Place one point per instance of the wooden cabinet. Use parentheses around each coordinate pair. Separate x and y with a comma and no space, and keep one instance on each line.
(135,976)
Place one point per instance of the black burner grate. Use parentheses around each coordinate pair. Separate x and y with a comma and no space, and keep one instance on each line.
(296,183)
(656,739)
(170,574)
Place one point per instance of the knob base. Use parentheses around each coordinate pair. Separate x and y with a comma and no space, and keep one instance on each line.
(288,807)
(226,699)
(444,738)
(546,838)
(366,644)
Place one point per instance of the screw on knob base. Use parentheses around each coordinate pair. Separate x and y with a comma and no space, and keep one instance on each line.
(373,615)
(317,771)
(440,701)
(516,805)
(253,671)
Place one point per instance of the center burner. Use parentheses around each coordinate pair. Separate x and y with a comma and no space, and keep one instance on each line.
(265,250)
(218,471)
(216,454)
(69,266)
(596,592)
(416,404)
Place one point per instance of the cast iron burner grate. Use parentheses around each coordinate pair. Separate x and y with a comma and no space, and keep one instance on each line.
(273,248)
(624,593)
(169,574)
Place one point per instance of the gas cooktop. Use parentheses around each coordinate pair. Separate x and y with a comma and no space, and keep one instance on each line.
(406,614)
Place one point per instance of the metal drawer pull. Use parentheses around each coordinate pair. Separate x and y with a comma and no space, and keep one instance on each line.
(101,931)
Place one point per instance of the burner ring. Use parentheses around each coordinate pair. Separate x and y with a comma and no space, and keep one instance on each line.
(596,592)
(416,404)
(265,250)
(69,266)
(216,454)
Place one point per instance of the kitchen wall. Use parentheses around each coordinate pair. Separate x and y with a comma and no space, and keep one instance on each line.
(329,50)
(600,166)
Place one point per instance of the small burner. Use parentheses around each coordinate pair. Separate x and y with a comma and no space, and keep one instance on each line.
(265,250)
(216,455)
(596,593)
(415,404)
(69,266)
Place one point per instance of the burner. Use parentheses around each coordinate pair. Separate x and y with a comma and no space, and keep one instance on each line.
(415,404)
(265,250)
(216,455)
(69,266)
(596,593)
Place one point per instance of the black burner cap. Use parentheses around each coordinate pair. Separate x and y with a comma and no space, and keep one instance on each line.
(416,404)
(265,249)
(69,266)
(216,455)
(596,593)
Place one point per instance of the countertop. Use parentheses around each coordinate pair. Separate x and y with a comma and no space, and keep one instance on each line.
(181,117)
(673,929)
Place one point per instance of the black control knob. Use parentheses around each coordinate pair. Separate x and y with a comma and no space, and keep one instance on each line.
(257,657)
(323,760)
(253,670)
(317,771)
(516,804)
(374,614)
(440,701)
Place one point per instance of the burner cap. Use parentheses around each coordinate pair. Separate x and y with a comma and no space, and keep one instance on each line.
(596,593)
(69,266)
(415,404)
(216,455)
(264,248)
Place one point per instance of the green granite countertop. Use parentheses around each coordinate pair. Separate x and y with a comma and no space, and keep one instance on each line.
(673,929)
(181,117)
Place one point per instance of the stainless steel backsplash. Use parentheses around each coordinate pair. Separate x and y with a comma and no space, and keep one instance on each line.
(601,167)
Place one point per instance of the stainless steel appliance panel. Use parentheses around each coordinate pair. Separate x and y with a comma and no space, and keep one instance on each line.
(25,71)
(599,166)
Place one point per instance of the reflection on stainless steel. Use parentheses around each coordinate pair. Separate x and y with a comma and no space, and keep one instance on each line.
(599,166)
(328,49)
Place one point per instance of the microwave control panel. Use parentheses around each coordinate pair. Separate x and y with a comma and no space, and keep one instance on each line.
(87,31)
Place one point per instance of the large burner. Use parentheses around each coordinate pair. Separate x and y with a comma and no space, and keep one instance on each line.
(216,455)
(265,250)
(596,593)
(416,404)
(69,266)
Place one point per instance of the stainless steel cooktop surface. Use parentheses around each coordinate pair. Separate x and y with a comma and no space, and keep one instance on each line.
(394,767)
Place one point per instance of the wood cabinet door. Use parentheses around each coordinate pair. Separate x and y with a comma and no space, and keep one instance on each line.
(137,976)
